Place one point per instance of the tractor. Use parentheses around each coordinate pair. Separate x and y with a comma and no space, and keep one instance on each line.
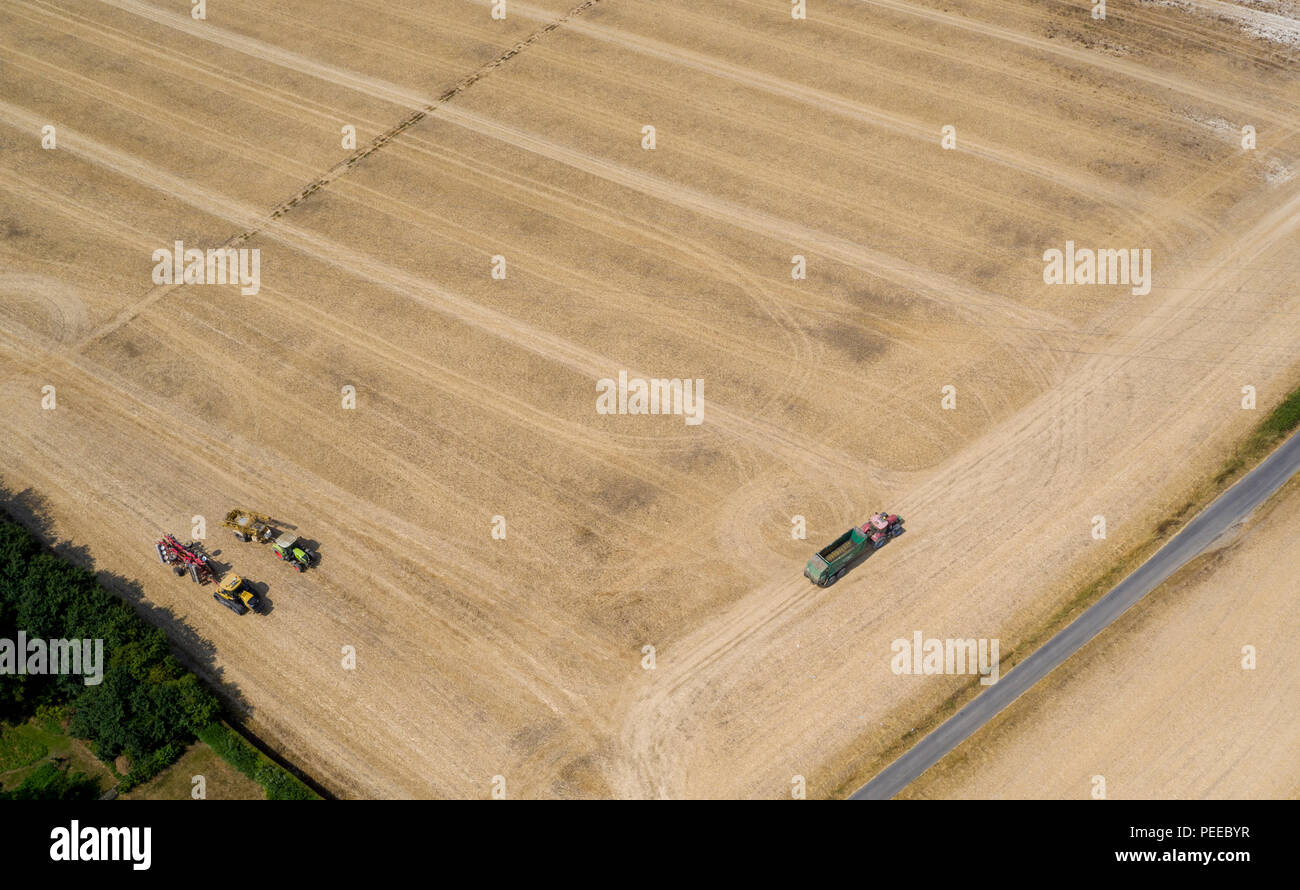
(290,548)
(235,594)
(830,563)
(250,526)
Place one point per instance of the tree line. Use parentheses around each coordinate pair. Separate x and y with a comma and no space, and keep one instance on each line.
(147,705)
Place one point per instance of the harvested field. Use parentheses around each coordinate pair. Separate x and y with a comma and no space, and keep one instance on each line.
(475,396)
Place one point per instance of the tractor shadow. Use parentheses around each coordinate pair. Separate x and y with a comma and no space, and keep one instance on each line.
(314,547)
(260,588)
(220,568)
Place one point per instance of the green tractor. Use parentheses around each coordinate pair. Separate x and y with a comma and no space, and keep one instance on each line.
(249,526)
(235,594)
(289,548)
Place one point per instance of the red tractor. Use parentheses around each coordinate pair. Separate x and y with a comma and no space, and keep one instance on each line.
(881,527)
(184,559)
(830,563)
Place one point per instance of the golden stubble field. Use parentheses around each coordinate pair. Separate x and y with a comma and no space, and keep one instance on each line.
(523,657)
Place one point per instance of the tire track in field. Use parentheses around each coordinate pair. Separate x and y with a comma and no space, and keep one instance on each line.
(693,667)
(930,285)
(459,385)
(795,357)
(591,442)
(974,305)
(887,267)
(1130,200)
(1089,186)
(1205,35)
(790,447)
(357,82)
(792,451)
(823,101)
(769,306)
(695,503)
(257,94)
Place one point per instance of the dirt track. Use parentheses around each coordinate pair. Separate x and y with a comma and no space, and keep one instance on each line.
(522,657)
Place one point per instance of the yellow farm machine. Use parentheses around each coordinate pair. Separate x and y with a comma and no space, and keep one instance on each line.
(249,526)
(235,594)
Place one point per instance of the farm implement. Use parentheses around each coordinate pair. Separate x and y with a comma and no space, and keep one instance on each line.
(184,559)
(830,563)
(249,526)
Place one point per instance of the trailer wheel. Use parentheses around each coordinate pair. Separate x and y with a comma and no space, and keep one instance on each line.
(179,570)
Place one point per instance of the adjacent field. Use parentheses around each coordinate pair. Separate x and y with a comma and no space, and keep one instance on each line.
(522,657)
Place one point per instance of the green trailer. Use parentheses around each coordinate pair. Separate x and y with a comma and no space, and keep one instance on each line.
(250,526)
(830,563)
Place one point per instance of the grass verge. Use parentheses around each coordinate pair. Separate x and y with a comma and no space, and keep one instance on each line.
(236,750)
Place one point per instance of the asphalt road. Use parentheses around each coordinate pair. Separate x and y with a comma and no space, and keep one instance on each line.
(1231,507)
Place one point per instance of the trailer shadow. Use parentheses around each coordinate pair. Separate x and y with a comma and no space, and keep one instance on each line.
(219,566)
(857,561)
(868,553)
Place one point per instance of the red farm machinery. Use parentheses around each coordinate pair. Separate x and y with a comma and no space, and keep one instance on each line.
(187,558)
